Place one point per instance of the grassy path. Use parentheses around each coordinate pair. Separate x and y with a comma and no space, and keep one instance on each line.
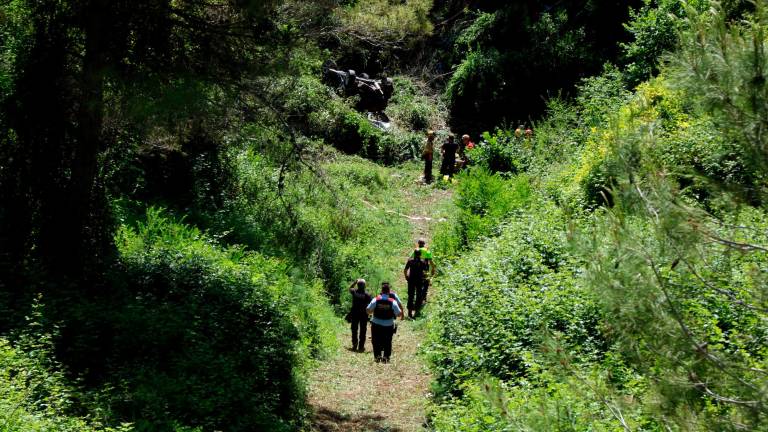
(349,392)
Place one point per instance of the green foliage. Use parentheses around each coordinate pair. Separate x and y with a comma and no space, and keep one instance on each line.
(503,152)
(508,57)
(35,394)
(337,123)
(654,28)
(216,337)
(374,31)
(723,68)
(666,221)
(484,199)
(499,303)
(15,30)
(410,108)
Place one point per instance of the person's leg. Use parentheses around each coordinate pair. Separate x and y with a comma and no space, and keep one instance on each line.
(354,324)
(387,342)
(419,296)
(376,339)
(412,298)
(363,331)
(424,291)
(428,170)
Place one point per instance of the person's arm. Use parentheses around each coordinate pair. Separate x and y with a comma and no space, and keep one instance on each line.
(398,310)
(405,270)
(431,268)
(371,306)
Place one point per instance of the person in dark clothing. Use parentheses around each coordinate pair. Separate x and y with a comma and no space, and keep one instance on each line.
(384,309)
(448,151)
(429,273)
(414,271)
(358,316)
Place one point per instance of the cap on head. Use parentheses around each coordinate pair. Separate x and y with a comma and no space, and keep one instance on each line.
(417,253)
(422,242)
(430,133)
(465,137)
(361,283)
(385,287)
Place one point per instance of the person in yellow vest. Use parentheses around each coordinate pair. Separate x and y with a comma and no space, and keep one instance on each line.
(429,272)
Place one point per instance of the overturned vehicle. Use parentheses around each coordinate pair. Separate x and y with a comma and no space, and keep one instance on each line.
(374,94)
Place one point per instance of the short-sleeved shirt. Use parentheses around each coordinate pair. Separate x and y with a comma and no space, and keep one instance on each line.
(426,254)
(384,322)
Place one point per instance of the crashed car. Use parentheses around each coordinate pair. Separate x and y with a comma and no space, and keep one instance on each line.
(374,93)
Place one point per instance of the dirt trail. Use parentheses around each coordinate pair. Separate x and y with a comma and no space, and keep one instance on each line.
(349,392)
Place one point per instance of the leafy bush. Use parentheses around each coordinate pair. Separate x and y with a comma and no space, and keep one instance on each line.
(207,336)
(410,108)
(498,298)
(484,199)
(35,395)
(503,152)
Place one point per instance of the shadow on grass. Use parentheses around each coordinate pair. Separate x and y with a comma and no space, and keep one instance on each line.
(327,420)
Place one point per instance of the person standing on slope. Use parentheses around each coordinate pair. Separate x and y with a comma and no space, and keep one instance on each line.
(414,272)
(358,316)
(384,309)
(448,152)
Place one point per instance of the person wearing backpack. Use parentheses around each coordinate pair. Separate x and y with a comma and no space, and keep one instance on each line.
(384,309)
(415,272)
(429,272)
(358,316)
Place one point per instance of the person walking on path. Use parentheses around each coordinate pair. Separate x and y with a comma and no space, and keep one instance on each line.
(384,309)
(358,316)
(428,155)
(429,272)
(415,271)
(448,152)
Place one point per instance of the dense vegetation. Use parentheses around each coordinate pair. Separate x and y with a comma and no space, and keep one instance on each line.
(625,288)
(183,202)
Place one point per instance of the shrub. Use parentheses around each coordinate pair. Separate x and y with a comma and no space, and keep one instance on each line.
(35,394)
(208,336)
(410,108)
(499,297)
(484,199)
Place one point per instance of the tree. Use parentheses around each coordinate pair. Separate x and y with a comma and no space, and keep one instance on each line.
(86,60)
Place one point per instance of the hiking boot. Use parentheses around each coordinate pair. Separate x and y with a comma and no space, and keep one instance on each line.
(378,359)
(385,360)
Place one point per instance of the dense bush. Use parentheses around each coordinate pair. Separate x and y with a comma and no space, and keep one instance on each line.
(507,57)
(484,199)
(35,394)
(205,336)
(666,221)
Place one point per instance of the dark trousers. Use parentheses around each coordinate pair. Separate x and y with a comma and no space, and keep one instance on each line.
(361,324)
(382,340)
(428,170)
(447,166)
(416,293)
(423,293)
